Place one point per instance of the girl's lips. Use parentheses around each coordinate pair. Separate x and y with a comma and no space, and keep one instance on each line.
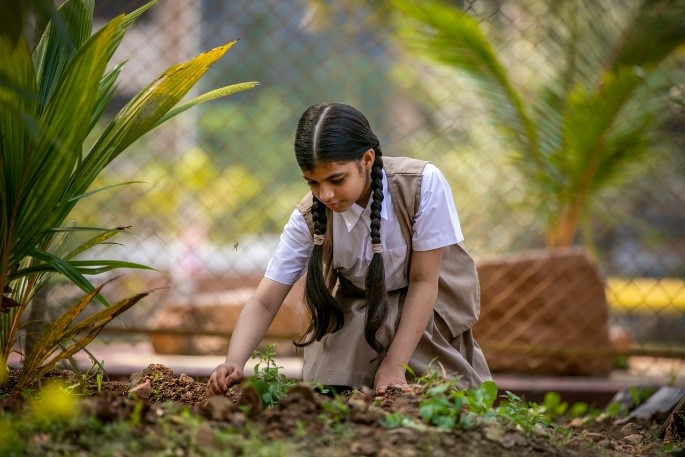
(336,205)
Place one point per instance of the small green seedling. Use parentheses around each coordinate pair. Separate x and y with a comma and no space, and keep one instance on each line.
(271,385)
(448,407)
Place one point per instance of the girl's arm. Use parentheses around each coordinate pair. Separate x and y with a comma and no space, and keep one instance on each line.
(422,293)
(254,320)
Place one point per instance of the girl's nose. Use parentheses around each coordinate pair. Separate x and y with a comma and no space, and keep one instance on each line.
(325,193)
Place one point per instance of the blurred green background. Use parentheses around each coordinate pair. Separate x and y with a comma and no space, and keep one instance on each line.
(218,183)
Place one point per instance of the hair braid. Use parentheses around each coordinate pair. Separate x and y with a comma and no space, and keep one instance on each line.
(377,309)
(325,311)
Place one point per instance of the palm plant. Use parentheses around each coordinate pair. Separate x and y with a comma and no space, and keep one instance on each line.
(582,129)
(50,102)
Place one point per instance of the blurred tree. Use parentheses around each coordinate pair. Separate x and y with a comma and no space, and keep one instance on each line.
(582,127)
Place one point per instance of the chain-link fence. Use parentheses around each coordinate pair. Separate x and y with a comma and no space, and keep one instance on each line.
(213,188)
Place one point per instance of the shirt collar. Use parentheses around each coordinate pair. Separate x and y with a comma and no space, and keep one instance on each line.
(352,215)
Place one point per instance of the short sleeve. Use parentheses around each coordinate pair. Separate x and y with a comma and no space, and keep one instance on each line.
(294,248)
(436,224)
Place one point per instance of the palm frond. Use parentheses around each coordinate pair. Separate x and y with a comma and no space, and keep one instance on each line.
(48,339)
(598,120)
(82,333)
(593,118)
(656,31)
(44,356)
(452,37)
(141,114)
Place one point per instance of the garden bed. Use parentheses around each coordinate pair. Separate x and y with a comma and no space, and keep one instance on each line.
(159,413)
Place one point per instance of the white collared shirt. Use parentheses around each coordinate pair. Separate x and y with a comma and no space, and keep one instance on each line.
(436,225)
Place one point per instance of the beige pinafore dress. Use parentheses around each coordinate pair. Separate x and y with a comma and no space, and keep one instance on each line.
(344,358)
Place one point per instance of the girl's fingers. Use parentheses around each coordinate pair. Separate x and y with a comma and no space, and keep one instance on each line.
(405,388)
(223,377)
(221,374)
(234,378)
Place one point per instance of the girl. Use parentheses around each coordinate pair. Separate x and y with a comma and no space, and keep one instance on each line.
(388,283)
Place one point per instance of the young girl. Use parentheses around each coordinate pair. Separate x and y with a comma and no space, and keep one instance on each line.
(388,283)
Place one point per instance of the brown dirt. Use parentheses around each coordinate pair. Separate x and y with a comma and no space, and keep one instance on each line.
(315,425)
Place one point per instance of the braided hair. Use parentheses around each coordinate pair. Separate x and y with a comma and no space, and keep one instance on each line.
(334,132)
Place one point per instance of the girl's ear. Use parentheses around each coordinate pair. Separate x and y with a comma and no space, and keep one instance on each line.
(368,158)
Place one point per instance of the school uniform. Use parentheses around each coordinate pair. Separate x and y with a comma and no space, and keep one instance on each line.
(418,213)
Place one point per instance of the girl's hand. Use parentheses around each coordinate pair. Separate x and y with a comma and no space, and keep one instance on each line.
(222,378)
(390,375)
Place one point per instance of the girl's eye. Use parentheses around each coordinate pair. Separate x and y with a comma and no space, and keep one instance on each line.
(336,181)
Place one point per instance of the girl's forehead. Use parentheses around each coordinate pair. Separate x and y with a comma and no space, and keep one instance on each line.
(328,168)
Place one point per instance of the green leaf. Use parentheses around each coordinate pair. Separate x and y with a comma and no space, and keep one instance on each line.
(94,241)
(83,267)
(212,95)
(67,269)
(56,49)
(105,93)
(489,393)
(76,198)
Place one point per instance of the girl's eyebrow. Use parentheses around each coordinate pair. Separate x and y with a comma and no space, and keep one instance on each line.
(339,174)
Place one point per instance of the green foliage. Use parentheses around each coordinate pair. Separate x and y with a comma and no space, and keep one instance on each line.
(136,416)
(11,441)
(639,395)
(269,383)
(51,98)
(396,419)
(553,406)
(448,407)
(578,409)
(582,125)
(516,411)
(335,411)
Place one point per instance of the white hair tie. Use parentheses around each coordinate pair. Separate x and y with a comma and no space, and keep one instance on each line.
(318,239)
(377,248)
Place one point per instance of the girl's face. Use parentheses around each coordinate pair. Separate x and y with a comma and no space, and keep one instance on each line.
(340,184)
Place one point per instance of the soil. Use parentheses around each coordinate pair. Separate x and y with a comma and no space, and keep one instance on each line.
(308,423)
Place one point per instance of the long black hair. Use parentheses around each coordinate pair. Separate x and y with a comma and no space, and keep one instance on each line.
(334,132)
